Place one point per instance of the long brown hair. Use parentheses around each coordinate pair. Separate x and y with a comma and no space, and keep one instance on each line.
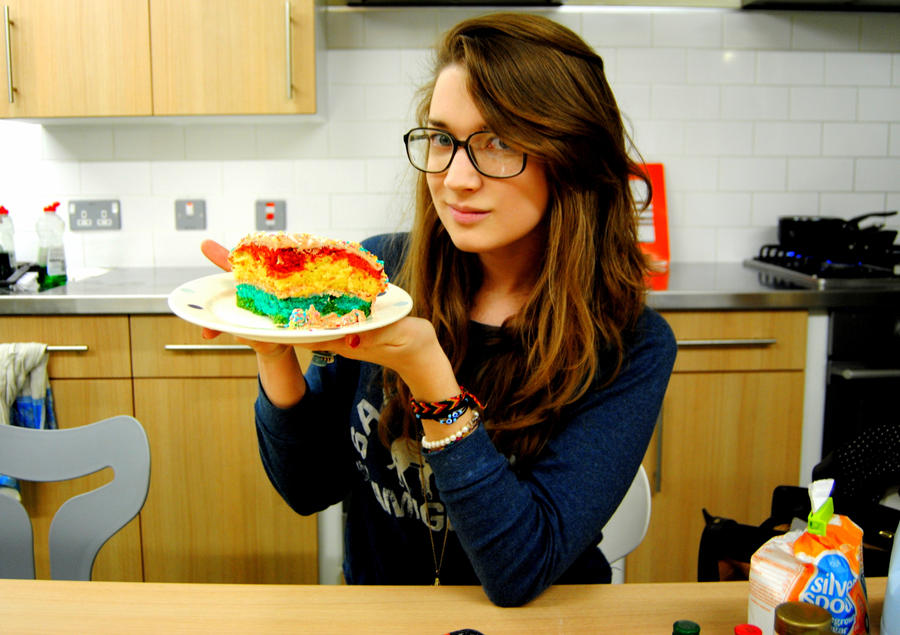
(541,88)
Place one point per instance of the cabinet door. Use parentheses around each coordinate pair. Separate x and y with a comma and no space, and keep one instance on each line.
(75,58)
(727,440)
(212,515)
(78,402)
(231,57)
(80,346)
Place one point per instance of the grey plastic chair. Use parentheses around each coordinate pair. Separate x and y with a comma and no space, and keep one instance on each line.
(84,523)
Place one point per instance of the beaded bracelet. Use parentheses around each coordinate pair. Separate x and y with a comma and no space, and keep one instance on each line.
(430,446)
(447,411)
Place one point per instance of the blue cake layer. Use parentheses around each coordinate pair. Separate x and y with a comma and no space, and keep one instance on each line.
(279,309)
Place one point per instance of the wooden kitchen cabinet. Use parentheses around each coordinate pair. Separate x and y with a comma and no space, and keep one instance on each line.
(729,431)
(90,380)
(211,514)
(76,58)
(231,57)
(101,58)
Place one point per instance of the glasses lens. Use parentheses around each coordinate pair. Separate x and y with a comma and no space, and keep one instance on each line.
(493,157)
(429,150)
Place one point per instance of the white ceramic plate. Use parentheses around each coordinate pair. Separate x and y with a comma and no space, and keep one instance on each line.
(210,302)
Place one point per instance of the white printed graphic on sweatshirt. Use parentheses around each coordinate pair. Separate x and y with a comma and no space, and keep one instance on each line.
(407,463)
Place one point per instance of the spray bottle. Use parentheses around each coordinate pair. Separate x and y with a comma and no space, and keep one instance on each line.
(51,251)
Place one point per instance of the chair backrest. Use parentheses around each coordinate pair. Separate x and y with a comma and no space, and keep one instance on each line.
(84,523)
(628,525)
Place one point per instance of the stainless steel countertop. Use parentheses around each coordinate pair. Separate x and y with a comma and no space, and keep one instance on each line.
(690,286)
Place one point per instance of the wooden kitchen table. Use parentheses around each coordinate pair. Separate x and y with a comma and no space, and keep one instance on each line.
(48,607)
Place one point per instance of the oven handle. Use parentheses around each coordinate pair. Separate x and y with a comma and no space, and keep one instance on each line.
(847,372)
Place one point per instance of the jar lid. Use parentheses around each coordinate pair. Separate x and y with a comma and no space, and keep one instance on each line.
(796,617)
(747,629)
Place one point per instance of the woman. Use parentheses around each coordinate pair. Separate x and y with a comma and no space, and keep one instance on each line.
(528,289)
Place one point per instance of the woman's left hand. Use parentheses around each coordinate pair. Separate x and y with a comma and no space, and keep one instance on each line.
(409,347)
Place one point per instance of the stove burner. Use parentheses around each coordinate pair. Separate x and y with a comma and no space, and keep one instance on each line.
(823,267)
(781,267)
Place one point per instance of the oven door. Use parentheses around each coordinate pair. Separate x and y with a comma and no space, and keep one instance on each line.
(863,387)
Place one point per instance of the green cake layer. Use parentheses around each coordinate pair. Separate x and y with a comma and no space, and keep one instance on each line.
(279,310)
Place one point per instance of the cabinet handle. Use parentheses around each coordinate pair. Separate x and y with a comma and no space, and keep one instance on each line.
(207,347)
(865,373)
(9,84)
(78,348)
(287,47)
(762,341)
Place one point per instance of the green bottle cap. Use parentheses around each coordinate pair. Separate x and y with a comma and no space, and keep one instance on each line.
(685,627)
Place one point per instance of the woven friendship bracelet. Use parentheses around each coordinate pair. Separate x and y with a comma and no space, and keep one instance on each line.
(431,446)
(446,411)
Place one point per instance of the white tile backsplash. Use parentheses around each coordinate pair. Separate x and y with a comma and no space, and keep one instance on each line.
(878,31)
(724,138)
(754,115)
(109,179)
(683,101)
(648,65)
(720,66)
(858,69)
(820,175)
(690,28)
(791,68)
(877,174)
(880,104)
(823,104)
(825,31)
(855,139)
(752,174)
(605,29)
(778,138)
(755,103)
(757,30)
(259,178)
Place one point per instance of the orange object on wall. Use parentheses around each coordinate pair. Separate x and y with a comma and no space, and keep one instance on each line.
(653,222)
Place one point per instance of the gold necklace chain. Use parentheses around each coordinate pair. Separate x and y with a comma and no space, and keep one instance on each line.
(434,557)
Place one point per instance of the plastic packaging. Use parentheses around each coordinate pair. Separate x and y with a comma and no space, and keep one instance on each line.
(890,614)
(51,250)
(821,565)
(7,244)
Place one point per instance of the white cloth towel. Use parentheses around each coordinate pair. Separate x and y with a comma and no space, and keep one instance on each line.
(24,380)
(25,397)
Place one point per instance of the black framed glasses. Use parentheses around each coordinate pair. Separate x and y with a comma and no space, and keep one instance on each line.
(432,150)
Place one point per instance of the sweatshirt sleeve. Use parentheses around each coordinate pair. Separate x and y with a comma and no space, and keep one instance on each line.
(304,449)
(523,529)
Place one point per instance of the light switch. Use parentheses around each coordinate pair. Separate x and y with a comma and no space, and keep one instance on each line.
(271,215)
(190,214)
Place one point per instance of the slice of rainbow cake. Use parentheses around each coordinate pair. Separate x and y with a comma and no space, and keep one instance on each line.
(304,281)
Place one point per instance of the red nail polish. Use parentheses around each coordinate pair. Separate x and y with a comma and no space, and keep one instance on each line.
(353,341)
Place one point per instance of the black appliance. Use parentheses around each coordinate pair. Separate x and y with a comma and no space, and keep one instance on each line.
(863,373)
(822,252)
(824,5)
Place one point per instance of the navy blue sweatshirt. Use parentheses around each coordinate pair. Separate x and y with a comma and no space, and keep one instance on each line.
(513,530)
